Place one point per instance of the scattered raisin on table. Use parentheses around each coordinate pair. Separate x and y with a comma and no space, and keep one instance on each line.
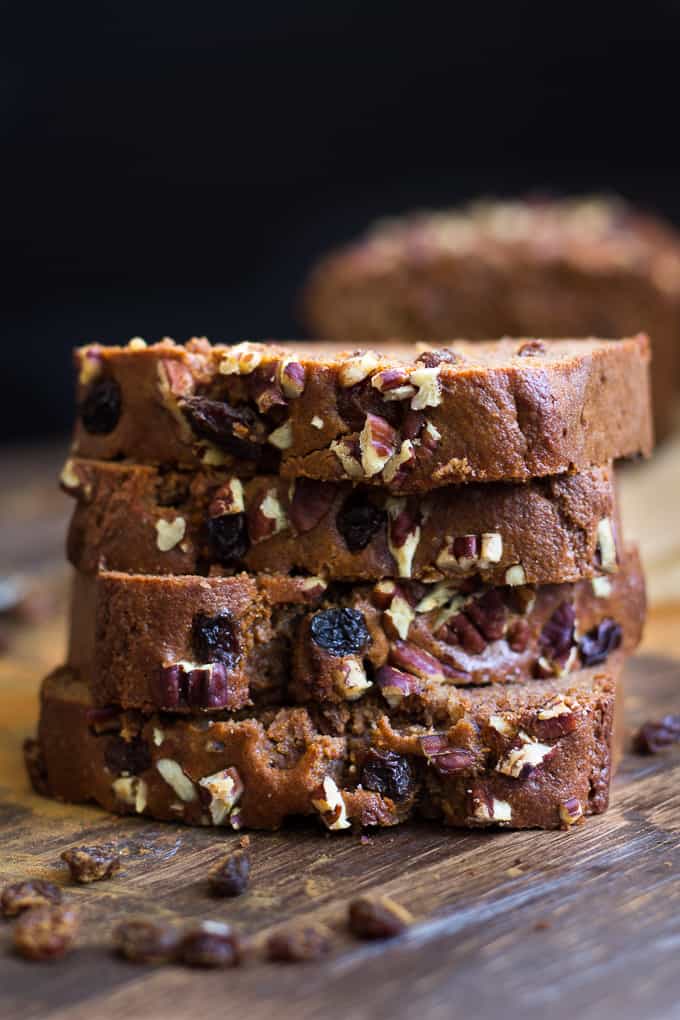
(377,918)
(143,941)
(210,944)
(91,863)
(22,896)
(298,944)
(230,876)
(653,737)
(45,933)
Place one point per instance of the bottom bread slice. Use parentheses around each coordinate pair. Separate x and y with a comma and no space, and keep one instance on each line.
(535,755)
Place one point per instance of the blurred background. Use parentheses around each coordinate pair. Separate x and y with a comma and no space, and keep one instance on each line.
(173,170)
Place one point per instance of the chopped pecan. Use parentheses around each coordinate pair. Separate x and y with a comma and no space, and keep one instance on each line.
(310,503)
(378,442)
(396,685)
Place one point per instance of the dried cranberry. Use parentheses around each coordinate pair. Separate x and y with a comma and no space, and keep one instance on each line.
(228,538)
(340,631)
(597,644)
(130,756)
(653,737)
(100,408)
(387,773)
(557,635)
(234,429)
(359,520)
(214,638)
(431,359)
(230,876)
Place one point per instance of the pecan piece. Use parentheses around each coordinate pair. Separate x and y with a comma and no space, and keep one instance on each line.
(310,503)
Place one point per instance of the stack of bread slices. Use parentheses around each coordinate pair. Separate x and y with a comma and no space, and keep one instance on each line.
(365,585)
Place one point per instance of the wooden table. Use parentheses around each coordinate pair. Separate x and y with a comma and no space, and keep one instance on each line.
(523,925)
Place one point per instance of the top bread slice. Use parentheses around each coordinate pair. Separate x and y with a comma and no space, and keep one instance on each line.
(401,417)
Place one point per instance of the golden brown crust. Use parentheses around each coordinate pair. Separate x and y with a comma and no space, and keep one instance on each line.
(137,519)
(482,413)
(535,755)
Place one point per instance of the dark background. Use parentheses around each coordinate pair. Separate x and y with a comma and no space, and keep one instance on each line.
(176,169)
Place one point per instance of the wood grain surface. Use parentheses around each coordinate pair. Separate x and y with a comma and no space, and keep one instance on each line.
(585,923)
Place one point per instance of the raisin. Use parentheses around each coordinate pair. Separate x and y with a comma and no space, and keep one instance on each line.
(228,538)
(299,944)
(359,520)
(377,918)
(22,896)
(230,876)
(45,933)
(91,863)
(214,639)
(355,402)
(130,756)
(145,941)
(236,430)
(100,408)
(653,737)
(596,645)
(340,631)
(210,944)
(388,774)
